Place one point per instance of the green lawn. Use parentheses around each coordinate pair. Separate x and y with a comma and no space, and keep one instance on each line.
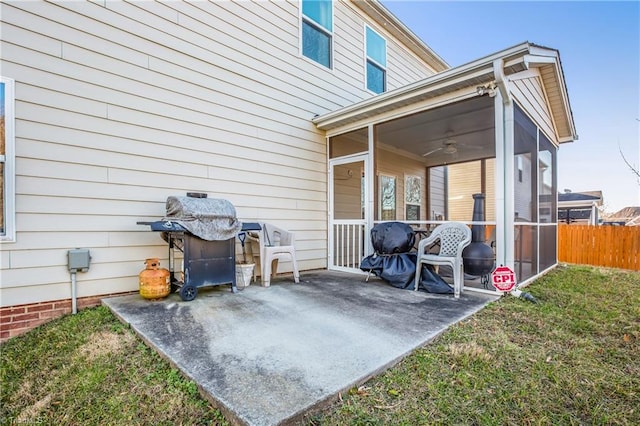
(573,358)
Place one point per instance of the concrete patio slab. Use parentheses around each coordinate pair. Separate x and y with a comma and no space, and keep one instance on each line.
(266,356)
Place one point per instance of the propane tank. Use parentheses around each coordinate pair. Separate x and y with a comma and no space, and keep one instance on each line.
(154,281)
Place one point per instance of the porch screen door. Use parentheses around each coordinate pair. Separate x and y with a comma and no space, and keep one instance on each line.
(347,218)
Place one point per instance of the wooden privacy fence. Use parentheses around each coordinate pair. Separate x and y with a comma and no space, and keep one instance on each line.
(611,246)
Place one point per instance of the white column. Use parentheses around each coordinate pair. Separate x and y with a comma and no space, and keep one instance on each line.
(505,187)
(509,189)
(369,186)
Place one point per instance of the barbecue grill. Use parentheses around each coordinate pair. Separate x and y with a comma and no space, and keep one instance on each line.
(204,230)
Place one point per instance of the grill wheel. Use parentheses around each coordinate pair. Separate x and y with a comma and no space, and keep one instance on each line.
(188,293)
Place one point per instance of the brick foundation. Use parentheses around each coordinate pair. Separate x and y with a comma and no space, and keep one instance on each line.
(17,320)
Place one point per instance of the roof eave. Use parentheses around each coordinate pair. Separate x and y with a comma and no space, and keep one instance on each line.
(475,73)
(514,59)
(540,57)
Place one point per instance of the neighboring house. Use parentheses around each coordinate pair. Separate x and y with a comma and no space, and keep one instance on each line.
(579,208)
(322,117)
(628,216)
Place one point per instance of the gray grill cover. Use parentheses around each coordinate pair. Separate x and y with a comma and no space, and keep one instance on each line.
(208,218)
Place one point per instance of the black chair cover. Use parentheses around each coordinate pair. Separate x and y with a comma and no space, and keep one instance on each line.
(394,262)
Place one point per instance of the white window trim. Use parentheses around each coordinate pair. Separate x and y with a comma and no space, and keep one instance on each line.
(301,18)
(9,162)
(366,59)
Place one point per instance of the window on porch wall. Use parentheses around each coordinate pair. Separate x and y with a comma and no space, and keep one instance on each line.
(412,197)
(404,174)
(387,197)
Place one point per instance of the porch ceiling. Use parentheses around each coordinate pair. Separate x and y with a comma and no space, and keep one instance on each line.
(467,126)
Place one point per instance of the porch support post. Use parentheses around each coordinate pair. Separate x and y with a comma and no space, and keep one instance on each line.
(330,207)
(504,179)
(370,176)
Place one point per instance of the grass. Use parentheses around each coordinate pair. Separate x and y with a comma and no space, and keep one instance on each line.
(90,369)
(573,358)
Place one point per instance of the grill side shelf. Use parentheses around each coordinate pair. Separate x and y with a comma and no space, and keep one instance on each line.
(164,226)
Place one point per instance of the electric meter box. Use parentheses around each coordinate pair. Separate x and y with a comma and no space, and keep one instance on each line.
(79,259)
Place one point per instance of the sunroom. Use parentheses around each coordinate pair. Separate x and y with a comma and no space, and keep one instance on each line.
(419,153)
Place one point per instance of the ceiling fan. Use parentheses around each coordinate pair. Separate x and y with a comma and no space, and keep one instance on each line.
(448,147)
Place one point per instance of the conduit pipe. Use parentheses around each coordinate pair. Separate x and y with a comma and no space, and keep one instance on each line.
(78,259)
(74,294)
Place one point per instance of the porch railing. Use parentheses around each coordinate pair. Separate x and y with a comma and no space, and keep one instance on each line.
(349,242)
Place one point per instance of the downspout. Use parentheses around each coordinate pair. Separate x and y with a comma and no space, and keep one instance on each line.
(501,81)
(507,255)
(504,126)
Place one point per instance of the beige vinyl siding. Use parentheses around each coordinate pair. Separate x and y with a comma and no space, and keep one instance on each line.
(437,185)
(530,95)
(402,65)
(490,191)
(348,33)
(119,105)
(464,180)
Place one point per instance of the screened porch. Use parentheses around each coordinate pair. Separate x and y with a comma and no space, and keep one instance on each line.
(420,162)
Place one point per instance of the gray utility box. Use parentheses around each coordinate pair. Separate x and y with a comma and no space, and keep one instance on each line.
(79,260)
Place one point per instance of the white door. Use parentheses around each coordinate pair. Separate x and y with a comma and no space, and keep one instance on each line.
(348,224)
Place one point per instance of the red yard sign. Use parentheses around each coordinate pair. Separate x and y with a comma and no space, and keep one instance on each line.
(503,278)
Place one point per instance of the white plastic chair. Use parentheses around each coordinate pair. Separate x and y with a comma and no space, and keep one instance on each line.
(453,238)
(270,245)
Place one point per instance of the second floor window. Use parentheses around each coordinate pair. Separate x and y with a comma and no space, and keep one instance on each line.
(317,31)
(376,61)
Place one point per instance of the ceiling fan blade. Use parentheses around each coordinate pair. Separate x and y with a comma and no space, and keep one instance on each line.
(467,146)
(426,154)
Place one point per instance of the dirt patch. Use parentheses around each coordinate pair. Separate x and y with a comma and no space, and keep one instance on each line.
(105,343)
(30,414)
(471,350)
